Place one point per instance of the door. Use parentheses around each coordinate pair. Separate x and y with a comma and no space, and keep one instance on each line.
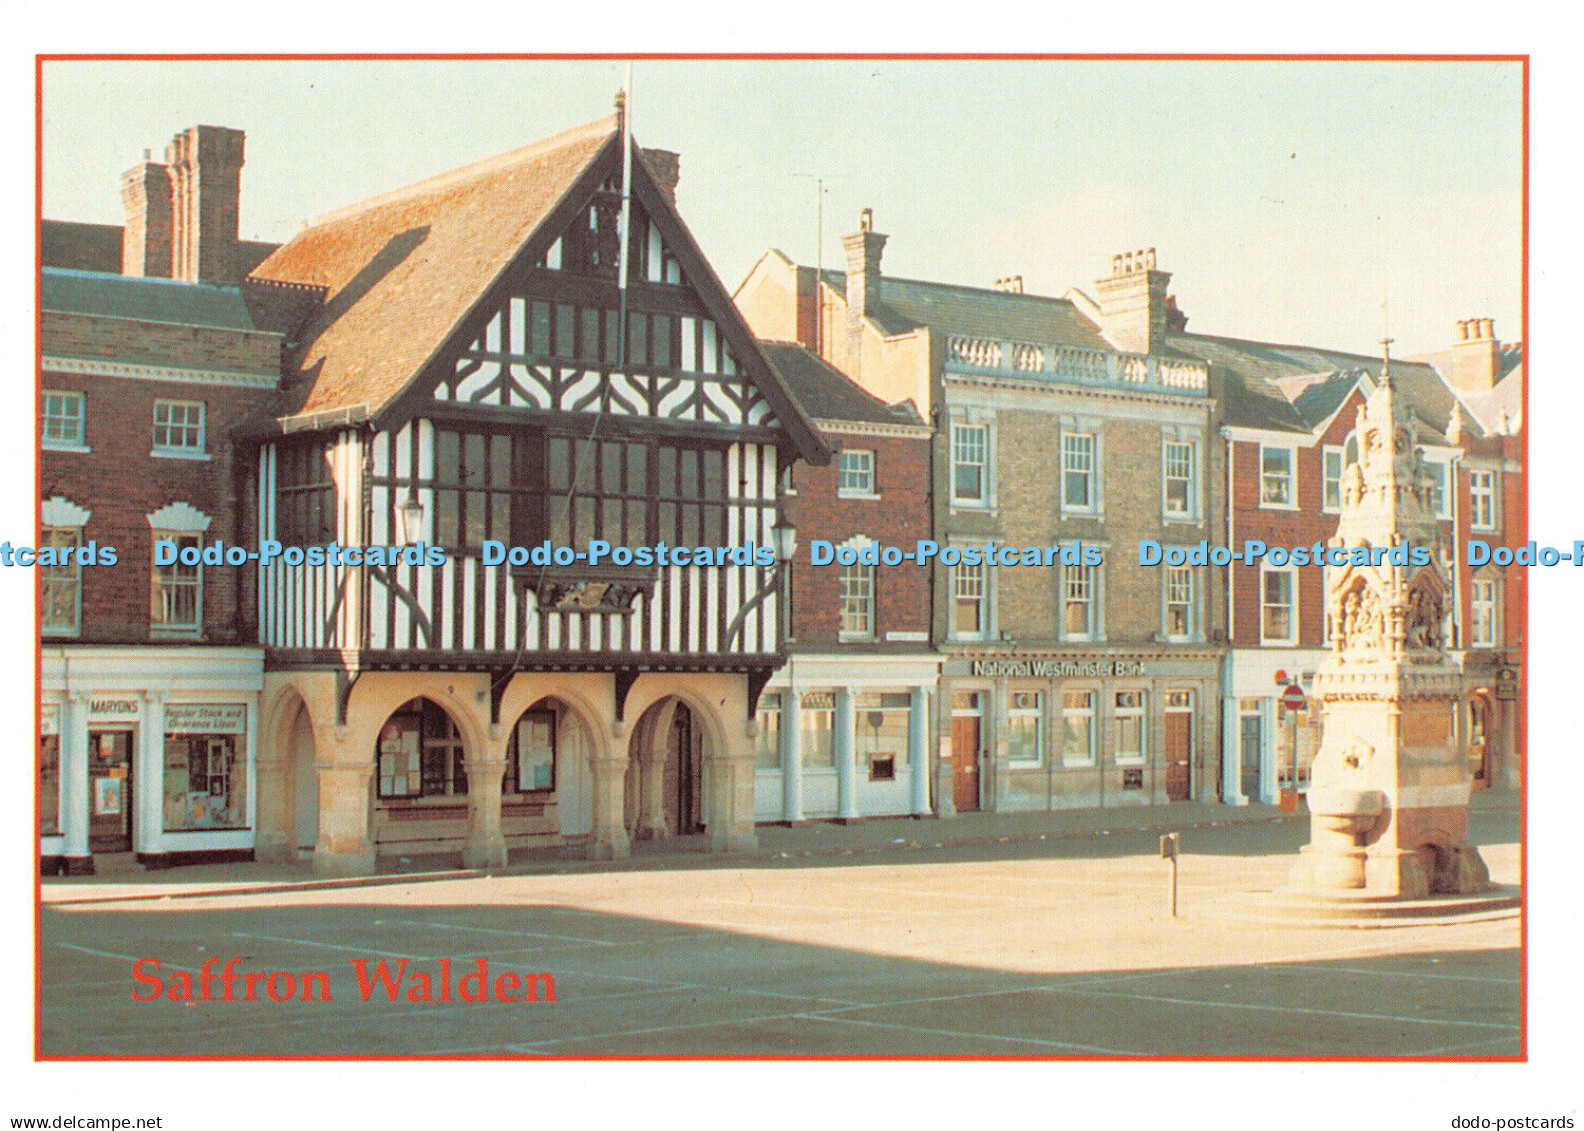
(110,791)
(684,773)
(1249,749)
(1179,754)
(965,763)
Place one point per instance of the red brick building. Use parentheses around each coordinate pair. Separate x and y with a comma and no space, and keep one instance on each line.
(150,663)
(845,724)
(1288,415)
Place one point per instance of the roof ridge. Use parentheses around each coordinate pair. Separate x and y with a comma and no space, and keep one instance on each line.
(884,278)
(1365,360)
(599,127)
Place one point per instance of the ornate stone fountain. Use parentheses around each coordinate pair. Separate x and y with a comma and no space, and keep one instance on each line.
(1389,789)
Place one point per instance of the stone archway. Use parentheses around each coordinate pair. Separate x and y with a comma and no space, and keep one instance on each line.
(288,781)
(549,753)
(666,792)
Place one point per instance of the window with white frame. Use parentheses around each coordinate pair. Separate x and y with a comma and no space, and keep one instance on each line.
(1179,474)
(176,603)
(1482,500)
(1436,495)
(1277,488)
(1278,606)
(1078,728)
(856,473)
(970,601)
(60,582)
(1128,719)
(1078,472)
(1025,727)
(178,427)
(857,601)
(1485,607)
(970,458)
(1331,479)
(61,419)
(1179,602)
(1081,602)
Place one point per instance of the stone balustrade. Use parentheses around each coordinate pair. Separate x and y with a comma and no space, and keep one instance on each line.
(990,356)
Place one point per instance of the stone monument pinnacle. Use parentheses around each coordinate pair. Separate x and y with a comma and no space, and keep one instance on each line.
(1389,792)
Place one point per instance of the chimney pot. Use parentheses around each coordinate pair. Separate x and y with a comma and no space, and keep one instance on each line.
(863,249)
(206,177)
(1133,303)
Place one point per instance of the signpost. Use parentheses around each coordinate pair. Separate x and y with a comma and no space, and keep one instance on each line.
(1168,850)
(1292,701)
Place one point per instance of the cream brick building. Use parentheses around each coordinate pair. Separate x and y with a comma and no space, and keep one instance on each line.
(1062,424)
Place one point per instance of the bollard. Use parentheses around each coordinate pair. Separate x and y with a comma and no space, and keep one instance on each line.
(1168,851)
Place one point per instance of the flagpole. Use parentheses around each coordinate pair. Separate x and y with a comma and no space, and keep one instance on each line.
(623,228)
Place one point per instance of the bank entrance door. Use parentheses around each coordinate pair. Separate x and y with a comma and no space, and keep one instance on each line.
(109,791)
(1179,744)
(965,752)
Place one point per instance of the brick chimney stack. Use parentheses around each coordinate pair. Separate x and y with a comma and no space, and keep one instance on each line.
(863,249)
(1133,302)
(206,183)
(1476,355)
(146,238)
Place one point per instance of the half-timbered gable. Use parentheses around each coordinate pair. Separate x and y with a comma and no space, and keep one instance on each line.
(481,384)
(566,404)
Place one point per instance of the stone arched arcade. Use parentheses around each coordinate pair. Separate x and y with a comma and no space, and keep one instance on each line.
(579,769)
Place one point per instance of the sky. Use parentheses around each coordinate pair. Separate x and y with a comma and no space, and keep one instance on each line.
(1323,203)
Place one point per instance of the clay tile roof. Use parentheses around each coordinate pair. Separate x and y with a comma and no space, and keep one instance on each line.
(825,393)
(400,271)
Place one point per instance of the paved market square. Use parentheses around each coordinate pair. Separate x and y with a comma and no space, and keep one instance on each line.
(1031,936)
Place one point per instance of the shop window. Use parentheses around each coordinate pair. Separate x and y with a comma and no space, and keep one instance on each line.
(1129,721)
(419,753)
(49,785)
(178,428)
(176,597)
(1078,728)
(205,783)
(816,727)
(767,746)
(882,738)
(1025,739)
(63,423)
(531,759)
